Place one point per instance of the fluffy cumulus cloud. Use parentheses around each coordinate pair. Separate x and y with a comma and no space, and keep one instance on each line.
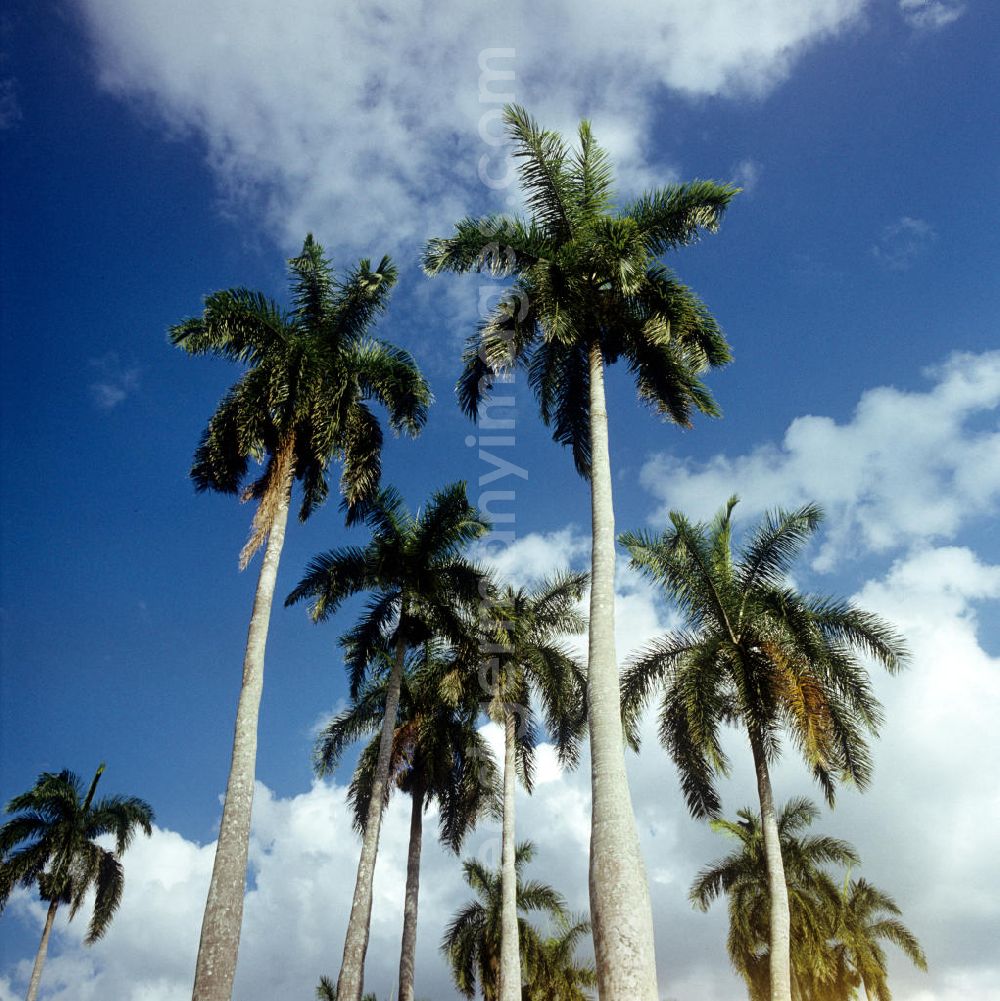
(910,465)
(930,14)
(320,115)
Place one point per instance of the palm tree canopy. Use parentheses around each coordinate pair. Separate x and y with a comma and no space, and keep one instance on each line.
(585,274)
(312,371)
(419,581)
(472,939)
(51,843)
(520,637)
(755,651)
(836,929)
(436,744)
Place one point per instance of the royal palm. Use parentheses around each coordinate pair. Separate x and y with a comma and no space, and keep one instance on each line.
(438,756)
(524,661)
(420,586)
(51,842)
(758,654)
(589,290)
(302,402)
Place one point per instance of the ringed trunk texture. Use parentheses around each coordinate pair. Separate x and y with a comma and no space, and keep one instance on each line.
(780,954)
(510,945)
(220,928)
(43,949)
(350,983)
(619,895)
(409,947)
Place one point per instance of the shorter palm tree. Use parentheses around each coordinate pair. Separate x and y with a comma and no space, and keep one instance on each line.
(758,654)
(835,928)
(438,755)
(51,842)
(472,940)
(421,586)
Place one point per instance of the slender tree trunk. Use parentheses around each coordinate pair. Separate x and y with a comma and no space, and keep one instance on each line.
(619,895)
(409,947)
(510,945)
(43,950)
(780,953)
(352,969)
(220,928)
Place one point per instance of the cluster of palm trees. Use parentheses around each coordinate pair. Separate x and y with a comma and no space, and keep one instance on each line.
(443,641)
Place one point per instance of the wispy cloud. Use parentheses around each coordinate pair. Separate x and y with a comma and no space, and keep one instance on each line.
(930,14)
(746,174)
(114,381)
(343,118)
(902,242)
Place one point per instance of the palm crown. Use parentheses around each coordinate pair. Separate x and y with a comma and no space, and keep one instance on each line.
(755,651)
(311,372)
(414,569)
(587,276)
(436,745)
(52,842)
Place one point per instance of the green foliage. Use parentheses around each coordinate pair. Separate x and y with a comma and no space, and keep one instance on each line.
(51,843)
(420,585)
(437,749)
(587,276)
(548,962)
(755,652)
(311,372)
(836,925)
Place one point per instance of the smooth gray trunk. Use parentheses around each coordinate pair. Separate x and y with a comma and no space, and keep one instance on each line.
(620,908)
(43,950)
(780,951)
(510,945)
(352,969)
(408,950)
(220,928)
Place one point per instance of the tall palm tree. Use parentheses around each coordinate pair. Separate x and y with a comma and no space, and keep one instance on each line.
(758,654)
(527,661)
(51,842)
(421,585)
(438,755)
(835,928)
(742,877)
(589,290)
(302,402)
(472,941)
(558,974)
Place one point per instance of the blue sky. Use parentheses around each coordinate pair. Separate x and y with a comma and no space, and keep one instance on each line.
(151,156)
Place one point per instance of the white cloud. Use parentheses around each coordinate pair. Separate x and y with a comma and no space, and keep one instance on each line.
(902,242)
(930,14)
(115,381)
(909,465)
(746,174)
(358,118)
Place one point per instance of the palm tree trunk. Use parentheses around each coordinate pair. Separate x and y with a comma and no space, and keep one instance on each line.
(43,949)
(409,946)
(510,945)
(780,952)
(352,968)
(220,928)
(619,895)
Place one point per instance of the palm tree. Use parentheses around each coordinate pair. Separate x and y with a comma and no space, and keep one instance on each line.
(835,929)
(589,289)
(758,654)
(438,755)
(742,877)
(52,842)
(558,974)
(865,915)
(302,401)
(472,941)
(421,586)
(526,661)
